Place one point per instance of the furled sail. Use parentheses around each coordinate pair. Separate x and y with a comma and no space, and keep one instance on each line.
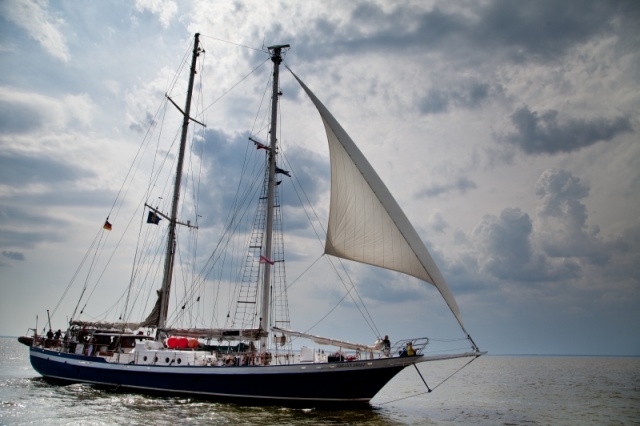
(365,222)
(327,340)
(154,317)
(106,326)
(218,333)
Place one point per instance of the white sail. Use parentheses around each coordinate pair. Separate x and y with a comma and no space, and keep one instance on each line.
(365,222)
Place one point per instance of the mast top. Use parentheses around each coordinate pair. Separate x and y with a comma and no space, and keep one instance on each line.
(278,46)
(276,52)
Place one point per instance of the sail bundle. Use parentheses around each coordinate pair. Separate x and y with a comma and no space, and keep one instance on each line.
(327,340)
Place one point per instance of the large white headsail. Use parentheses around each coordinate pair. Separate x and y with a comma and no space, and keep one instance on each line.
(365,222)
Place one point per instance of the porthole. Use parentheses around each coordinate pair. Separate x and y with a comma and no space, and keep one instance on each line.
(179,360)
(144,358)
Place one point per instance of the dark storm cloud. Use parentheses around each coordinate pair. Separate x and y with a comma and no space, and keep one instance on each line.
(20,169)
(541,30)
(544,133)
(517,31)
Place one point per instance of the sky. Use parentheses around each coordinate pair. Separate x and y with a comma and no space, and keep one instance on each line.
(508,132)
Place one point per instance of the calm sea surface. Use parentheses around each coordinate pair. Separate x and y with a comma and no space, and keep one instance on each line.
(496,390)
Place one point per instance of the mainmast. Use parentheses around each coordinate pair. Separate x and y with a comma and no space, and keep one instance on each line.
(276,57)
(171,240)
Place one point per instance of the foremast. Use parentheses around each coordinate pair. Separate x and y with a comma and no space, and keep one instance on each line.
(173,219)
(276,57)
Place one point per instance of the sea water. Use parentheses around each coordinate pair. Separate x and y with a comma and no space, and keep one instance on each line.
(492,390)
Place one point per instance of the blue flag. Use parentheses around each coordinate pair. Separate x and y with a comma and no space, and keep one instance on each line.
(153,218)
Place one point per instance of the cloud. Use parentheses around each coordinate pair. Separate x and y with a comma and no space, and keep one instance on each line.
(34,17)
(540,30)
(385,286)
(142,125)
(28,239)
(165,9)
(461,185)
(43,112)
(437,223)
(436,101)
(560,193)
(448,71)
(21,170)
(232,164)
(13,111)
(503,244)
(563,219)
(25,228)
(518,32)
(544,133)
(469,96)
(13,255)
(30,181)
(556,246)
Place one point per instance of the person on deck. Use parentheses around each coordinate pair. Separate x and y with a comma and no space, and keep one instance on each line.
(386,345)
(49,341)
(410,351)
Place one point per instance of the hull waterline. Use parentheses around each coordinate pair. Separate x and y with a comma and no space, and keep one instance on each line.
(342,383)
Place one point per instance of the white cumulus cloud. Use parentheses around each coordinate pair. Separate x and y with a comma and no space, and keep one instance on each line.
(40,23)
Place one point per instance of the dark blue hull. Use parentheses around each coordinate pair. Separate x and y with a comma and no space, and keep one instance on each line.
(299,384)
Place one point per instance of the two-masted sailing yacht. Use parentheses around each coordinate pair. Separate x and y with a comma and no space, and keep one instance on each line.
(253,360)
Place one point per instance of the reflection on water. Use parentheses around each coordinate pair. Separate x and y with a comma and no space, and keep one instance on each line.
(83,404)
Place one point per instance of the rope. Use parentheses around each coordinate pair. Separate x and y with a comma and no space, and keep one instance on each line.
(456,372)
(231,42)
(234,86)
(425,383)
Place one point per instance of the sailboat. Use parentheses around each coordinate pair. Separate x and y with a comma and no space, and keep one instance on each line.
(253,361)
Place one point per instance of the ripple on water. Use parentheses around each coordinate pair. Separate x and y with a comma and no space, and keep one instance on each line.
(492,390)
